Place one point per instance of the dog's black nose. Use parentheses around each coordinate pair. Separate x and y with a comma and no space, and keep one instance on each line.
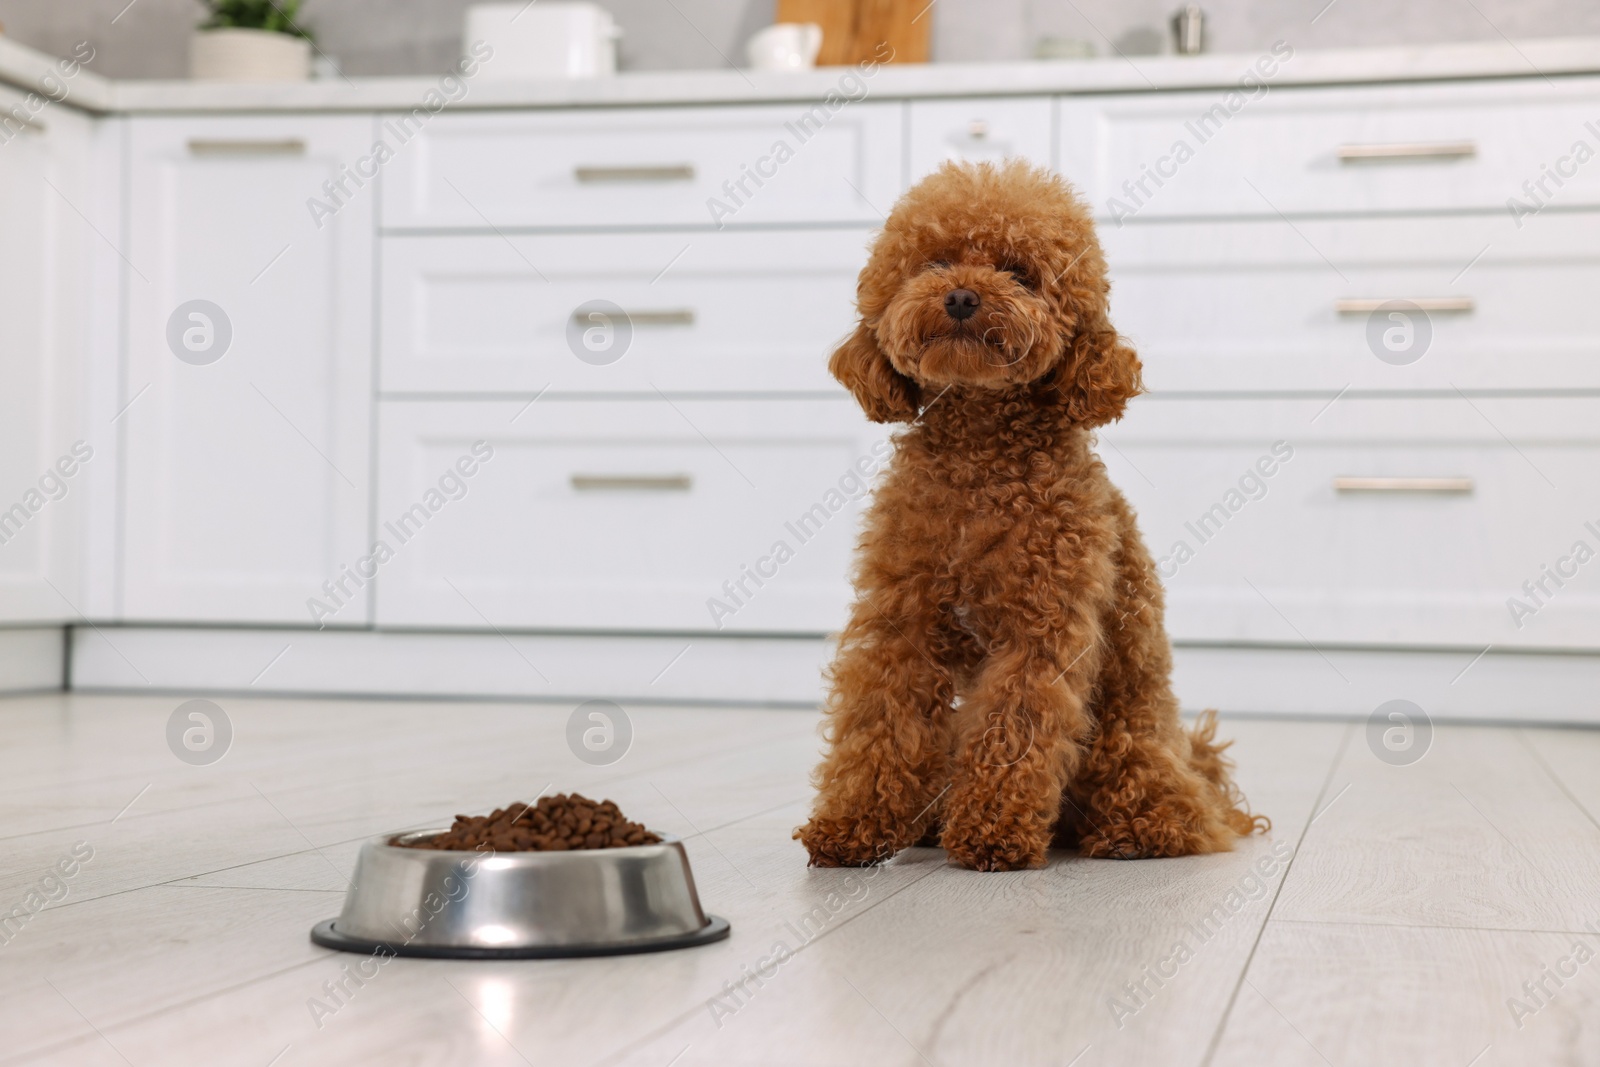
(961,304)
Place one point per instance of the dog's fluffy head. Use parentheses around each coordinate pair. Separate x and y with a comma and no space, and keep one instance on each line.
(1017,239)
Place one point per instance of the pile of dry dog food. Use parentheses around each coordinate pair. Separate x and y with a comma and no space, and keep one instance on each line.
(556,823)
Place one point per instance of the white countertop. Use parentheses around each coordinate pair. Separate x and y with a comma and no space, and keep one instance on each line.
(22,68)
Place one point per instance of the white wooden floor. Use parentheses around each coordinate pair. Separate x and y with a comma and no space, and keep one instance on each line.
(1414,902)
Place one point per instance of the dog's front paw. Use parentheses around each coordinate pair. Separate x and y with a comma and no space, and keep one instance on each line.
(1173,823)
(1003,844)
(1149,838)
(840,843)
(997,855)
(1102,846)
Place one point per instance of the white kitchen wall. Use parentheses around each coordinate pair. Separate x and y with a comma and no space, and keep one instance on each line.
(148,38)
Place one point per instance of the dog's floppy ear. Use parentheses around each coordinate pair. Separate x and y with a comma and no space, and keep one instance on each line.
(1100,374)
(884,393)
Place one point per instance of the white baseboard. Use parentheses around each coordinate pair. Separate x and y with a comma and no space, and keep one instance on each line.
(1511,686)
(745,670)
(1449,685)
(31,659)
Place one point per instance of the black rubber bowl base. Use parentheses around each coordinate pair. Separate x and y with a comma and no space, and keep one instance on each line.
(327,936)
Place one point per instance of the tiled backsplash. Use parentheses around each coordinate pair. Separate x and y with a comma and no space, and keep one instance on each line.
(149,38)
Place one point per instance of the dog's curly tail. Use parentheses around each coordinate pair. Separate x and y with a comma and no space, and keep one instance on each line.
(1205,755)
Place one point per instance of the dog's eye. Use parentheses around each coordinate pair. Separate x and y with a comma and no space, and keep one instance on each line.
(939,264)
(1021,274)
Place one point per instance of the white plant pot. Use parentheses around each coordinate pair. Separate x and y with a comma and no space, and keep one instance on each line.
(235,55)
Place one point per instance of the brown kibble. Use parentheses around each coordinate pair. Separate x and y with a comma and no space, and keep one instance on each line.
(558,823)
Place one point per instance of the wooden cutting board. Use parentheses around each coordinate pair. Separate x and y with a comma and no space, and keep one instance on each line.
(853,31)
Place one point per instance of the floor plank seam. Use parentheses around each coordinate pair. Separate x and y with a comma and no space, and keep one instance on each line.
(189,877)
(1560,783)
(314,850)
(345,781)
(1433,926)
(673,1023)
(1244,970)
(744,818)
(134,1020)
(247,888)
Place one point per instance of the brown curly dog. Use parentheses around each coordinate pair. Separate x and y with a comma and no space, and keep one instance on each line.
(1002,683)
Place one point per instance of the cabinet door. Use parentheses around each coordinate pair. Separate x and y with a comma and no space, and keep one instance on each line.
(683,515)
(734,312)
(1465,145)
(1251,305)
(600,167)
(44,183)
(248,389)
(1371,521)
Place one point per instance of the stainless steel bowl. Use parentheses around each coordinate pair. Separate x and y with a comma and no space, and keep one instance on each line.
(510,905)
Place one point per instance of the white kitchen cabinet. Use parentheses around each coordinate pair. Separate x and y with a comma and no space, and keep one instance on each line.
(986,130)
(624,515)
(648,493)
(45,181)
(1334,151)
(247,417)
(1379,521)
(709,166)
(730,312)
(1253,305)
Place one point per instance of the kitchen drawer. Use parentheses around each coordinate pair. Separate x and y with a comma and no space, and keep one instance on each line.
(634,167)
(981,130)
(1311,151)
(1253,305)
(731,311)
(621,515)
(1508,486)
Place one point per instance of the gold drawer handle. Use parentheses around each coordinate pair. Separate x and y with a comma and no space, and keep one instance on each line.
(1402,485)
(673,317)
(1358,153)
(1365,305)
(649,483)
(290,146)
(678,172)
(658,317)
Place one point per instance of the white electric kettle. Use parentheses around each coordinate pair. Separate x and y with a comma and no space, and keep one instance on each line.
(548,39)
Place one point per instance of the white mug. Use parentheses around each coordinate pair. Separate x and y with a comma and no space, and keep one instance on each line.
(785,46)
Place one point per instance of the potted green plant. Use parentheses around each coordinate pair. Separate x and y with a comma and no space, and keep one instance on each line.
(251,40)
